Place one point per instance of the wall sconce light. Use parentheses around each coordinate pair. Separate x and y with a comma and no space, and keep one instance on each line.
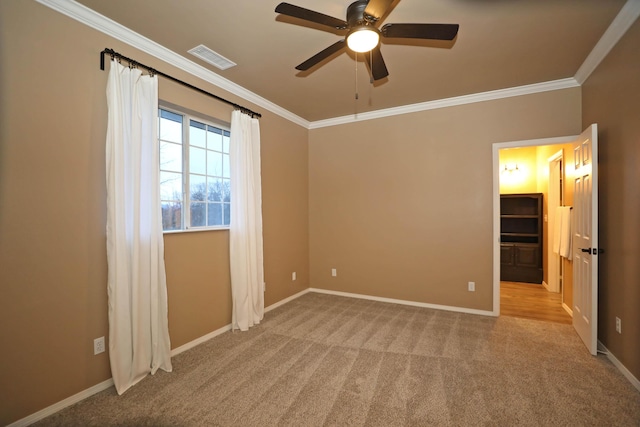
(510,169)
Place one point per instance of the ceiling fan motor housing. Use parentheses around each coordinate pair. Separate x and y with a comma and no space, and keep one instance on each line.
(355,13)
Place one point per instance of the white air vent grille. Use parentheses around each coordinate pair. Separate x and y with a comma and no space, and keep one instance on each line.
(211,57)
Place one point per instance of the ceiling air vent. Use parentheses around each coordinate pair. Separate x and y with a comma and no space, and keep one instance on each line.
(211,57)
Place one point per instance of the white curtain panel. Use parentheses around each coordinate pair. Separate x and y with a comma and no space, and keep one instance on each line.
(245,230)
(138,324)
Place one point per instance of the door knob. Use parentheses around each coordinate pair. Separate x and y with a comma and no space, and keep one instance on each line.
(587,250)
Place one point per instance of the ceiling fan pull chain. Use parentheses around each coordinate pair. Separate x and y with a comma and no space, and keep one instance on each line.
(356,75)
(371,62)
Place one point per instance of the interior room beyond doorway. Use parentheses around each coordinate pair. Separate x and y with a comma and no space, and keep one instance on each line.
(525,170)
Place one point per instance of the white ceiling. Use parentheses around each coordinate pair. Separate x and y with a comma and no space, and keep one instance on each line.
(501,44)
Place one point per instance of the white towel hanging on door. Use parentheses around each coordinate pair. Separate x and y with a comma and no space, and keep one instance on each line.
(564,212)
(557,231)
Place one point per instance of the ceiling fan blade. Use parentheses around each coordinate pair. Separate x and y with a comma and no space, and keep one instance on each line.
(377,8)
(310,15)
(378,68)
(421,31)
(320,56)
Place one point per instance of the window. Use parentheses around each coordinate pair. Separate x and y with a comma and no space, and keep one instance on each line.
(194,172)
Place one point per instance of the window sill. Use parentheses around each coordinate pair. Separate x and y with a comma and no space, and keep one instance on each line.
(195,230)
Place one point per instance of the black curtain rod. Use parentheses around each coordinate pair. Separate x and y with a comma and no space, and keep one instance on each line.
(153,71)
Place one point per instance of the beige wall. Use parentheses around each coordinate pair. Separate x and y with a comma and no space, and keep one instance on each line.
(53,299)
(402,206)
(611,98)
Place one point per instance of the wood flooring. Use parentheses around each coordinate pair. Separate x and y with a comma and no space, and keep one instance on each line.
(532,301)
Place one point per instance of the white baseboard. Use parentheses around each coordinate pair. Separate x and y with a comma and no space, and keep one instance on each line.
(632,379)
(50,410)
(405,302)
(286,300)
(56,407)
(200,340)
(567,309)
(108,383)
(548,287)
(227,328)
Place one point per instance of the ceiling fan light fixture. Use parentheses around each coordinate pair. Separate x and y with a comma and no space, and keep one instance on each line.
(363,39)
(362,32)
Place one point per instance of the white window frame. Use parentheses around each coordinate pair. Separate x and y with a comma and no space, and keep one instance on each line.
(186,174)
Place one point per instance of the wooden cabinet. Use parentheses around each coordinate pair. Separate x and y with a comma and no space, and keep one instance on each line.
(521,237)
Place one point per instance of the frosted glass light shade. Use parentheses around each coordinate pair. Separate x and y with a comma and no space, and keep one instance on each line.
(363,40)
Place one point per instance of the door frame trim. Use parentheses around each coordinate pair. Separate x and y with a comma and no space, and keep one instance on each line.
(495,148)
(551,259)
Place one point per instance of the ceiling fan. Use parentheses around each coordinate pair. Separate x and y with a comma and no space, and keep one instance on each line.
(363,34)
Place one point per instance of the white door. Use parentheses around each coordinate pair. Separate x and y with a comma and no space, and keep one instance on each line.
(585,238)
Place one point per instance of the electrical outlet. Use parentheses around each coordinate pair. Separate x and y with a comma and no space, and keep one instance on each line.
(293,276)
(98,346)
(472,286)
(334,272)
(618,325)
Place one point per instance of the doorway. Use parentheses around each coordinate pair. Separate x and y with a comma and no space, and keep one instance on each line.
(542,158)
(579,229)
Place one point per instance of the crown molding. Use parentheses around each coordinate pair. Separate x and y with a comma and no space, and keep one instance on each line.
(625,18)
(619,26)
(105,25)
(450,102)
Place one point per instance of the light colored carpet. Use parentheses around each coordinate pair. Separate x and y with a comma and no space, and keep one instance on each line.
(329,360)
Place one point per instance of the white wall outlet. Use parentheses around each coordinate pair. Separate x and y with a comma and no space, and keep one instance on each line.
(334,272)
(293,276)
(472,286)
(618,325)
(98,346)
